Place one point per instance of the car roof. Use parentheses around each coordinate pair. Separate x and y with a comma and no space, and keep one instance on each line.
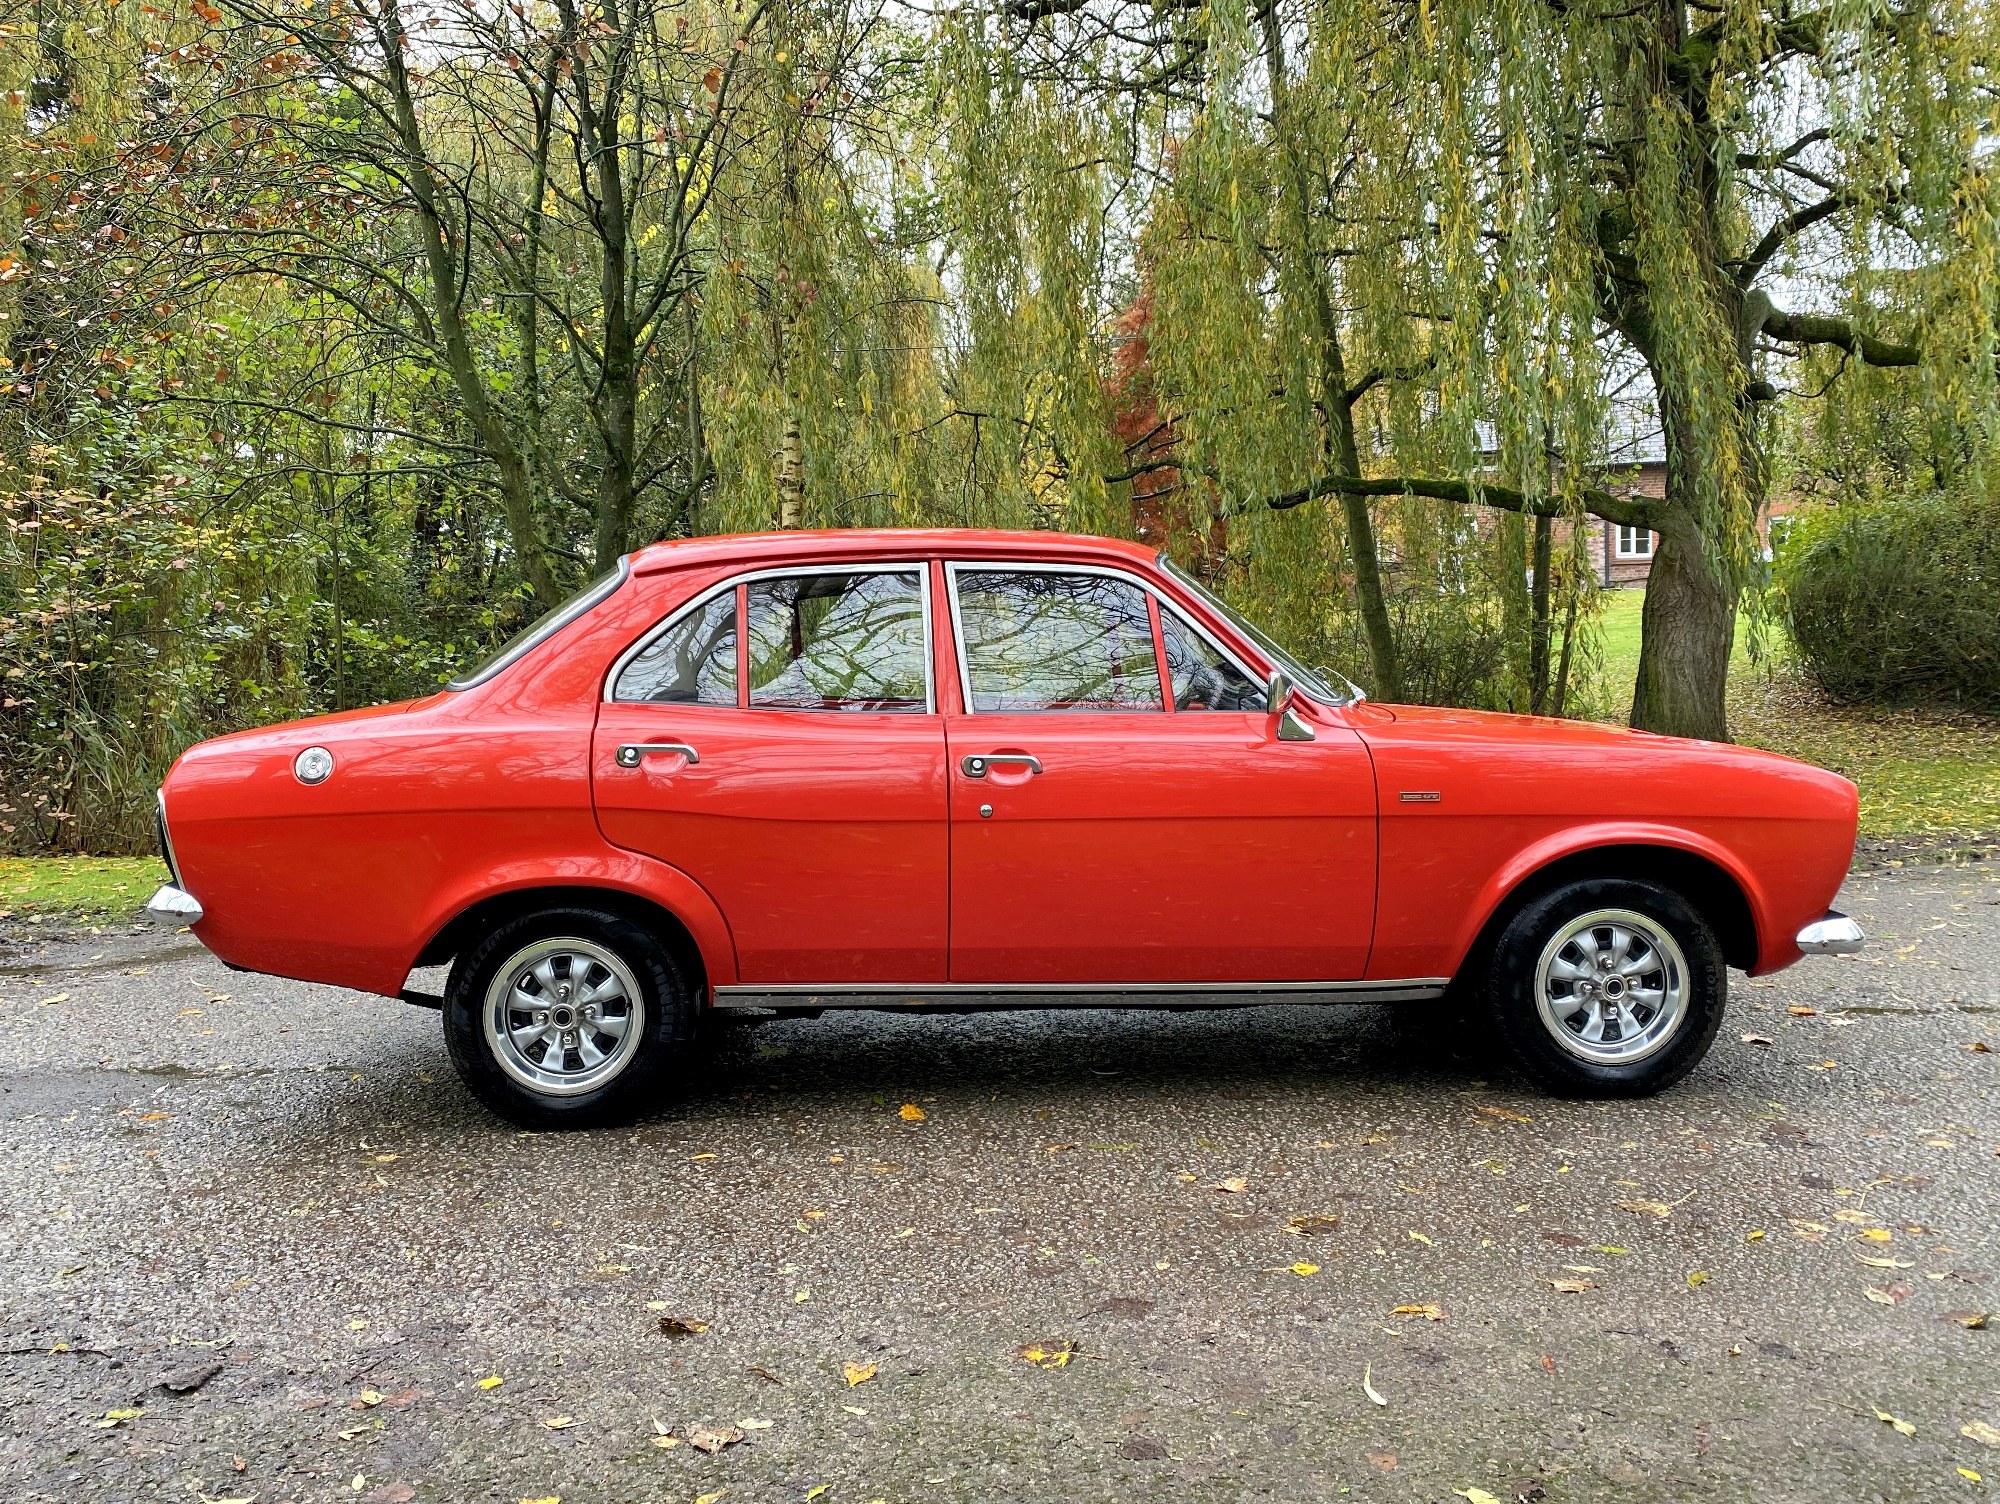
(875,543)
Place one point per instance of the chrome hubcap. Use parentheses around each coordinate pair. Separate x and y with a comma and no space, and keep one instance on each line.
(1612,987)
(563,1016)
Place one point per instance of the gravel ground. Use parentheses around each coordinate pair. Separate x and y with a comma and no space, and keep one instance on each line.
(258,1244)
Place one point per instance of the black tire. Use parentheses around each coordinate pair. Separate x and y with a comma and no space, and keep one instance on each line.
(644,1077)
(1513,980)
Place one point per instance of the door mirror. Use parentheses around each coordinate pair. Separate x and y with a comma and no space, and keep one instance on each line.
(1277,690)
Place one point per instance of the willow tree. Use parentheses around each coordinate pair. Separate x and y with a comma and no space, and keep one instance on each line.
(1498,201)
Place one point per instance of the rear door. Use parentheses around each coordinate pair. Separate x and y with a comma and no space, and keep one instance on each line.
(778,741)
(1122,810)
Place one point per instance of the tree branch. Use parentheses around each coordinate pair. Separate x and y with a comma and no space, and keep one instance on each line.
(1633,511)
(1817,329)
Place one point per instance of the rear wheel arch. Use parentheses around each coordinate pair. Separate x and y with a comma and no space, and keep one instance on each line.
(1710,888)
(465,928)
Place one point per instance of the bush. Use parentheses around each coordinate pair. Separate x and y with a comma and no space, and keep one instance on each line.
(1898,602)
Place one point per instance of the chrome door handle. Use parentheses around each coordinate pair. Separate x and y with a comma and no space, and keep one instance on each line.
(630,754)
(975,767)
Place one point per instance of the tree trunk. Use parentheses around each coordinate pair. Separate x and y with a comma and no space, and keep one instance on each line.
(1538,646)
(1687,631)
(791,477)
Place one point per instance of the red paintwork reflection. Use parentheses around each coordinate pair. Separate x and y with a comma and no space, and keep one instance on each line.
(848,847)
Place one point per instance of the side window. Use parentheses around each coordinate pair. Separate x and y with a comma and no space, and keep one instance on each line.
(1051,641)
(838,642)
(1203,678)
(691,663)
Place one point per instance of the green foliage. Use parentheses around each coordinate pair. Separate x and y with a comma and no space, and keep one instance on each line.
(1899,602)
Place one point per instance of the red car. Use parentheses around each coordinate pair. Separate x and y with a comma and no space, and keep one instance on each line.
(951,770)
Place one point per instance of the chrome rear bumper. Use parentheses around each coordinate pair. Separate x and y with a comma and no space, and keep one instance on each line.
(174,906)
(1835,935)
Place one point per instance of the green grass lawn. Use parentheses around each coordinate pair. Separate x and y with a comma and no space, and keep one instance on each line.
(1920,772)
(86,885)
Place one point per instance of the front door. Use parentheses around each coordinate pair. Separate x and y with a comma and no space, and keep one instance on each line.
(778,742)
(1122,810)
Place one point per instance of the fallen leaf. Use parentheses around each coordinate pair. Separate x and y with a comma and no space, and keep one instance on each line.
(1384,1460)
(559,1422)
(857,1373)
(1875,1263)
(1428,1311)
(1647,1208)
(710,1498)
(491,1381)
(1800,1010)
(545,1499)
(1507,1113)
(1966,1472)
(1302,1269)
(1697,1279)
(909,1112)
(1887,1295)
(1903,1427)
(368,1399)
(666,1443)
(1476,1496)
(1571,1286)
(120,1417)
(1367,1388)
(1980,1047)
(1235,1185)
(1979,1431)
(1308,1226)
(1048,1354)
(681,1326)
(1972,1321)
(1758,1039)
(756,1424)
(1417,1237)
(712,1439)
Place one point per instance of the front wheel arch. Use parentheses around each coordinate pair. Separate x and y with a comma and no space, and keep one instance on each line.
(1709,888)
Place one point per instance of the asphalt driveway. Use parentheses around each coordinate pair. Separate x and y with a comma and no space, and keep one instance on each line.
(256,1243)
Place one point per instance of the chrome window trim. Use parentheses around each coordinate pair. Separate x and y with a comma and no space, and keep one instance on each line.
(1020,566)
(920,567)
(1181,576)
(588,601)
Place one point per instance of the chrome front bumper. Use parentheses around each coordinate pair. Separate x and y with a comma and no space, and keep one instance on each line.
(174,906)
(1835,935)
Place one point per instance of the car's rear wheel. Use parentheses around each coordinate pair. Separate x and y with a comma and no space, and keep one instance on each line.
(569,1017)
(1608,988)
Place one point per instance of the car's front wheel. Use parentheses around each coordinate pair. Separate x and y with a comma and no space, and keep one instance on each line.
(569,1017)
(1608,988)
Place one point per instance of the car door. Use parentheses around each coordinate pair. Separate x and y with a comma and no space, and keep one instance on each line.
(1104,830)
(778,741)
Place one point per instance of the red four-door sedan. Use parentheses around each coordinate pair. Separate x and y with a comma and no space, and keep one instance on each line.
(952,770)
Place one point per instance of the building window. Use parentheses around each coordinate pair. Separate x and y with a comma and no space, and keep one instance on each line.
(1634,542)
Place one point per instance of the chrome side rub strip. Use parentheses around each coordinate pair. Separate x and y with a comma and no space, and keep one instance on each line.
(916,996)
(1835,935)
(174,906)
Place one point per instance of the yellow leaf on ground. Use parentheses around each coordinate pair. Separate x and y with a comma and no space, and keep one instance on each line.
(559,1422)
(857,1373)
(909,1112)
(1697,1279)
(1417,1237)
(545,1499)
(1048,1354)
(710,1498)
(1476,1496)
(491,1381)
(1980,1432)
(1647,1208)
(1966,1472)
(1571,1286)
(1428,1311)
(1302,1269)
(1235,1185)
(1367,1387)
(1903,1427)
